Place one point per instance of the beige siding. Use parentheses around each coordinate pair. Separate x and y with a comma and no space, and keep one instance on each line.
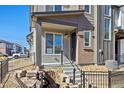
(85,55)
(3,50)
(90,17)
(41,8)
(70,7)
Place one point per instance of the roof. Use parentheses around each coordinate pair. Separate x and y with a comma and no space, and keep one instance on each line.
(4,41)
(53,13)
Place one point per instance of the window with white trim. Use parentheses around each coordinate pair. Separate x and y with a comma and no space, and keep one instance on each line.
(107,28)
(107,10)
(49,43)
(54,43)
(107,22)
(87,38)
(49,8)
(58,8)
(87,8)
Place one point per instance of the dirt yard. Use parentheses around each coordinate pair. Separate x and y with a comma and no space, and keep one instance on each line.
(100,68)
(94,68)
(3,58)
(14,65)
(26,64)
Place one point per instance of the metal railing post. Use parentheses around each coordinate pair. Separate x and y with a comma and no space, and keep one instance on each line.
(61,57)
(1,71)
(109,79)
(81,79)
(74,75)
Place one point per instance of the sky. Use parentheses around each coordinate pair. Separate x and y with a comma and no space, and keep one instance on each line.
(14,23)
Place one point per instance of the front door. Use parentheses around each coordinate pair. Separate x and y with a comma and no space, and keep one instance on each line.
(73,46)
(120,52)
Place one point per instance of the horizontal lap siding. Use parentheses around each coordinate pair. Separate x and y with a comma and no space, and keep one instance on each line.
(85,56)
(105,45)
(108,50)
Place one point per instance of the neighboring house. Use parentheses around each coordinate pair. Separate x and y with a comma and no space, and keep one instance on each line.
(6,47)
(17,48)
(87,34)
(9,48)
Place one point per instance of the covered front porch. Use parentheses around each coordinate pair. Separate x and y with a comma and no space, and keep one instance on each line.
(58,43)
(62,31)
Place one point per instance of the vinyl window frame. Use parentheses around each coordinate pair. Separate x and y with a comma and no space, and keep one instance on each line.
(110,18)
(54,33)
(89,39)
(90,9)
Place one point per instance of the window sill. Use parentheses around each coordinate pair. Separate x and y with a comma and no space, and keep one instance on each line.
(88,48)
(107,39)
(52,54)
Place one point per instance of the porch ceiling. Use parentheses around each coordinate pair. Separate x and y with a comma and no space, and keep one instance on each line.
(57,27)
(120,34)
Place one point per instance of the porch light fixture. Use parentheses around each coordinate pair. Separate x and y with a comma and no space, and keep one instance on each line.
(100,50)
(116,30)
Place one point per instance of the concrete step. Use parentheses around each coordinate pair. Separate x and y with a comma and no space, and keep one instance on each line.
(71,74)
(71,71)
(66,64)
(76,76)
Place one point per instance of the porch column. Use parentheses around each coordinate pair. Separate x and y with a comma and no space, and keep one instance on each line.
(96,37)
(77,48)
(37,44)
(113,46)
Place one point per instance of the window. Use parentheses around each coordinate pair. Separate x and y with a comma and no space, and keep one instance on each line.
(49,43)
(49,8)
(87,8)
(107,10)
(58,7)
(58,43)
(2,45)
(107,22)
(53,43)
(107,28)
(87,35)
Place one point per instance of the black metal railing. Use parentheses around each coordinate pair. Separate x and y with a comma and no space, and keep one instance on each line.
(3,70)
(102,79)
(70,61)
(61,57)
(81,76)
(94,79)
(74,69)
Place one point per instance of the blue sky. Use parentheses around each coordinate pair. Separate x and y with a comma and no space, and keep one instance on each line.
(14,23)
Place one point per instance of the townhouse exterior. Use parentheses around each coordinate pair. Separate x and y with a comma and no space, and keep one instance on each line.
(9,48)
(6,47)
(84,34)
